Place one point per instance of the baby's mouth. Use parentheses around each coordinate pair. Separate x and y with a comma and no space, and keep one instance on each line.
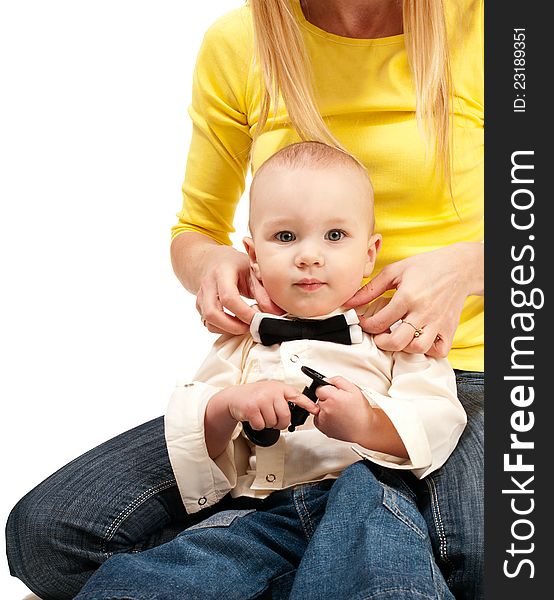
(310,285)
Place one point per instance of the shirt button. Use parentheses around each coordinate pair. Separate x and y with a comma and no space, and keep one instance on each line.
(270,478)
(294,358)
(202,501)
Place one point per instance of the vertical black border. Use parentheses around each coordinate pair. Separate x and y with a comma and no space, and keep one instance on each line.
(507,132)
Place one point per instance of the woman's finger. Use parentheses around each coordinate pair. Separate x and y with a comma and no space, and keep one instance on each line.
(381,321)
(212,314)
(198,304)
(208,306)
(230,298)
(398,339)
(420,344)
(213,329)
(384,281)
(221,322)
(262,298)
(441,346)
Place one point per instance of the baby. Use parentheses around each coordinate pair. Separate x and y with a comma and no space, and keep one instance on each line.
(306,509)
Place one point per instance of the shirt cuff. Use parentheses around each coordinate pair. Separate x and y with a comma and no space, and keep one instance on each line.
(202,481)
(407,422)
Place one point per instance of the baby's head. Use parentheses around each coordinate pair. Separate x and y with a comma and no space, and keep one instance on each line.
(311,221)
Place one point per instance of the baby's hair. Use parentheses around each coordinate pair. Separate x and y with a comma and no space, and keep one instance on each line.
(312,154)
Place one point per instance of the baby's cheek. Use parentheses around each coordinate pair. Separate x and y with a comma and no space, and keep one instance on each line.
(276,288)
(348,287)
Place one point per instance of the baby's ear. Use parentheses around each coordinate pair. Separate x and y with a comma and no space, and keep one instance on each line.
(251,251)
(373,247)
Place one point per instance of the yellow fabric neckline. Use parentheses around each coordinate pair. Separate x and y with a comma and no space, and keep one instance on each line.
(339,39)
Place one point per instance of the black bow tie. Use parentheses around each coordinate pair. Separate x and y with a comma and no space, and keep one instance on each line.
(333,329)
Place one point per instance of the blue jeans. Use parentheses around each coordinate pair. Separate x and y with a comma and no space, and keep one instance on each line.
(452,499)
(121,497)
(357,537)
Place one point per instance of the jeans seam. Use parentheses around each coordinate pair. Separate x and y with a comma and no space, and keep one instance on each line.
(471,382)
(303,513)
(126,596)
(146,495)
(390,504)
(388,591)
(437,517)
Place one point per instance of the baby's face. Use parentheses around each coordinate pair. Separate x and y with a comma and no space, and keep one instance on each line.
(312,241)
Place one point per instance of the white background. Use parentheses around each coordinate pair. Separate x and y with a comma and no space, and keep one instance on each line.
(94,327)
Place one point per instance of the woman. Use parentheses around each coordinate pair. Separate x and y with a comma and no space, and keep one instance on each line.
(399,85)
(385,97)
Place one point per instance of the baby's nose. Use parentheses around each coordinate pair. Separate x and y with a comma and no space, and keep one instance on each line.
(309,257)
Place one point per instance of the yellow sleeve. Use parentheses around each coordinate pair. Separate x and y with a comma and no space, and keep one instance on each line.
(219,153)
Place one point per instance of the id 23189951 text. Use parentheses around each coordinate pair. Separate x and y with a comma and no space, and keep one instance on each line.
(519,70)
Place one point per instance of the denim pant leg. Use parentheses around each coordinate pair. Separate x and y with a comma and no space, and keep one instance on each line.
(452,499)
(372,542)
(118,497)
(235,555)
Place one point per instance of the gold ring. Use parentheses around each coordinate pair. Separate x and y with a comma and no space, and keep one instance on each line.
(417,330)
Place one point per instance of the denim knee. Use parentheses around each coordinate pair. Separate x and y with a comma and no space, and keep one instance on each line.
(36,554)
(451,500)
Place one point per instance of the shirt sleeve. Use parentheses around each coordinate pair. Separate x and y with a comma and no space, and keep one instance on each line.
(219,152)
(423,406)
(202,481)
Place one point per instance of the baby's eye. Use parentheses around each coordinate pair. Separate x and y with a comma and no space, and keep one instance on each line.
(334,235)
(285,236)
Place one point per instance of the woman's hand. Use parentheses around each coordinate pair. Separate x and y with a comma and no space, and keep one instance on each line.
(431,290)
(219,275)
(227,278)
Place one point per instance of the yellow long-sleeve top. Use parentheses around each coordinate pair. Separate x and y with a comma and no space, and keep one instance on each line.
(366,95)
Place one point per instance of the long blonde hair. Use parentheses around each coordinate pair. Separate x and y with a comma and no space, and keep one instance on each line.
(285,69)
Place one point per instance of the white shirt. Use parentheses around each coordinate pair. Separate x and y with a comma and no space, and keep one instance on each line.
(417,393)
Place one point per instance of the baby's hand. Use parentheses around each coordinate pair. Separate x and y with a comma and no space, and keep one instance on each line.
(265,404)
(344,412)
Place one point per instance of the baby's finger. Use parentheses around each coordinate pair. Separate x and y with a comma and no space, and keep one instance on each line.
(257,421)
(282,412)
(269,415)
(305,402)
(325,392)
(341,383)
